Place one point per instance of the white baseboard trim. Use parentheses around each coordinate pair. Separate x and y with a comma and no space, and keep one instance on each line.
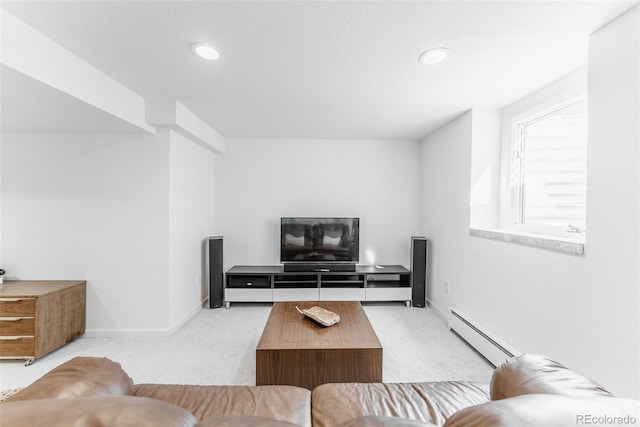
(165,332)
(125,333)
(440,312)
(492,347)
(190,315)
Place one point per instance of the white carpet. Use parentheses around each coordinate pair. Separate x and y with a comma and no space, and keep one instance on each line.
(218,347)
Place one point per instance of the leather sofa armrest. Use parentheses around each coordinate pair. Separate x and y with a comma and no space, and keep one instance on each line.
(530,374)
(79,377)
(536,410)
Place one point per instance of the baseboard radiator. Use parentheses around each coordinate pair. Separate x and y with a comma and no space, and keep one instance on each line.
(490,346)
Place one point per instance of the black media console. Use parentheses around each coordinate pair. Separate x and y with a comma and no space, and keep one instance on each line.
(253,283)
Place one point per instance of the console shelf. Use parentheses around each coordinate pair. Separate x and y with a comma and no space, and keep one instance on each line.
(254,283)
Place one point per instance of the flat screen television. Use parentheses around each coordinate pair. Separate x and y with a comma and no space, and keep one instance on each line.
(321,240)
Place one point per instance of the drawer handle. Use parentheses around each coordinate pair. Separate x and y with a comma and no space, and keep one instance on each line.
(11,338)
(14,299)
(13,319)
(249,283)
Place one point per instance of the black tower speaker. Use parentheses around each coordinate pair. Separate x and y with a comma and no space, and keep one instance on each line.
(418,271)
(216,272)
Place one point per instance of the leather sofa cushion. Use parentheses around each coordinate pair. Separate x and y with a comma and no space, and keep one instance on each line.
(120,411)
(530,374)
(243,421)
(431,402)
(547,410)
(380,421)
(276,402)
(79,377)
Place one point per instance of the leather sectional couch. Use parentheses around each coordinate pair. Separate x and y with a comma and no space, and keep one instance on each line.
(528,390)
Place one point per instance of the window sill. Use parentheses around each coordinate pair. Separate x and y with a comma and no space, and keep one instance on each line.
(571,246)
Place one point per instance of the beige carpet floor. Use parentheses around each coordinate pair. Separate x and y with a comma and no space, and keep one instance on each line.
(218,347)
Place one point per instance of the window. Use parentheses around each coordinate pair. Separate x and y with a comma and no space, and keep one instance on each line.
(528,168)
(548,179)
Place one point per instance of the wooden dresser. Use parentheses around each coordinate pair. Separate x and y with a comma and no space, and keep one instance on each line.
(37,317)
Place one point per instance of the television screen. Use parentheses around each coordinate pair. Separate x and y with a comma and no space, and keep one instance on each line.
(319,239)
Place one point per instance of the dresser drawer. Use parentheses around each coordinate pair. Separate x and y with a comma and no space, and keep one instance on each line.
(16,326)
(17,347)
(17,307)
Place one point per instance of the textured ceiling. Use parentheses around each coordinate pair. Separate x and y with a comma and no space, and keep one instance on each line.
(322,69)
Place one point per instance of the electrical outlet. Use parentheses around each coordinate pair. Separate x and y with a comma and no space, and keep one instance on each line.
(446,287)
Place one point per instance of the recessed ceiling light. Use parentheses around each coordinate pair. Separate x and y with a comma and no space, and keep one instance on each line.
(434,56)
(206,51)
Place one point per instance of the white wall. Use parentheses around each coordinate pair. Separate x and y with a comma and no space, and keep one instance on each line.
(581,310)
(613,198)
(259,181)
(446,165)
(485,168)
(92,207)
(191,219)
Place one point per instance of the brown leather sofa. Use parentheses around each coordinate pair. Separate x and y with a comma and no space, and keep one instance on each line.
(97,392)
(525,391)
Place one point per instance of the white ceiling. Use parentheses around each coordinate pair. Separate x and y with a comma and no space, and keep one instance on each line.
(310,69)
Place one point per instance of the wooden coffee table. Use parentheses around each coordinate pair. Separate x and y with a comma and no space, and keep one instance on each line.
(294,350)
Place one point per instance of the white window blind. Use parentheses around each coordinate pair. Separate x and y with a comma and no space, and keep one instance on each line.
(549,169)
